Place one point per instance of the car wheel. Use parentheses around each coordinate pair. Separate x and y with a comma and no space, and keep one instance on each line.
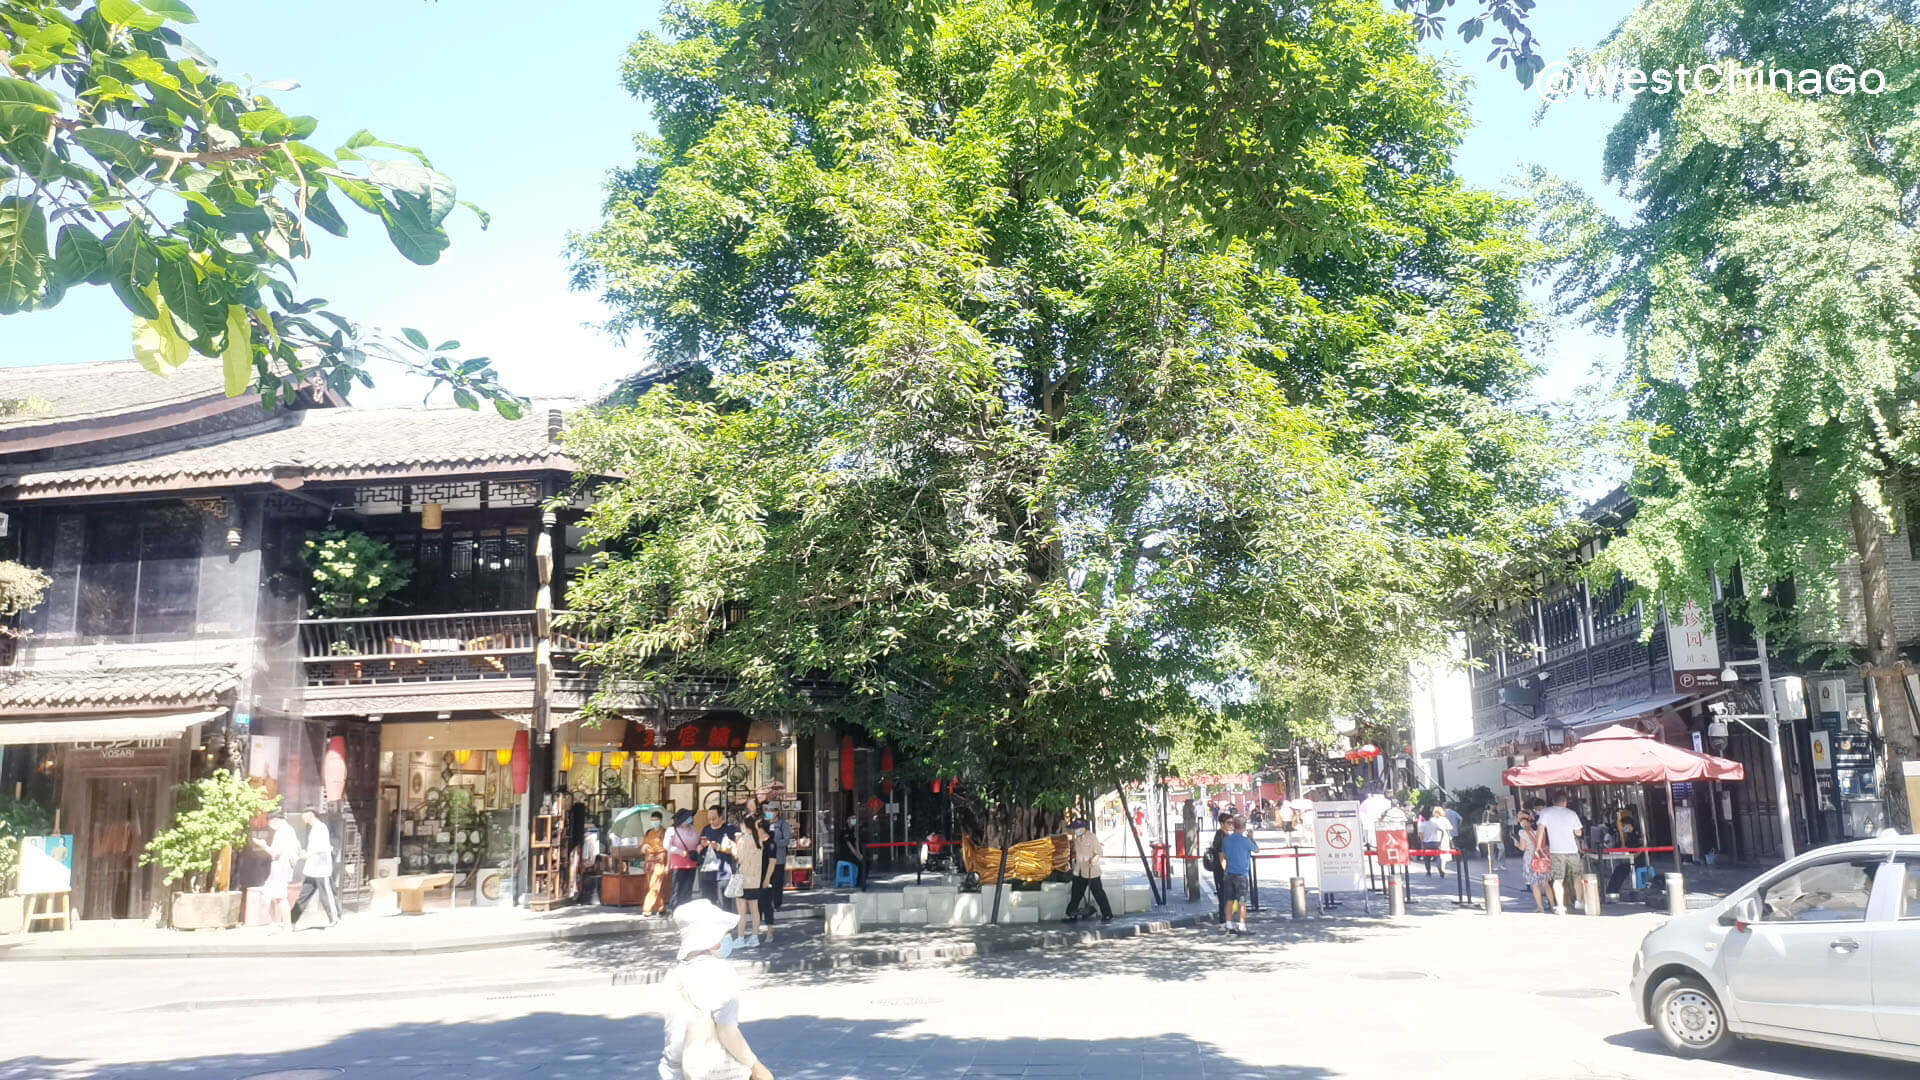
(1689,1018)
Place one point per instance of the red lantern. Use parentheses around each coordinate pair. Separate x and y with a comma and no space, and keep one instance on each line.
(886,759)
(846,762)
(522,762)
(333,771)
(936,787)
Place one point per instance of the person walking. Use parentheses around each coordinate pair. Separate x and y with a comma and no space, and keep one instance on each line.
(1443,829)
(1086,873)
(701,1022)
(317,871)
(683,856)
(1562,828)
(1237,851)
(1430,837)
(283,852)
(776,887)
(1214,862)
(745,885)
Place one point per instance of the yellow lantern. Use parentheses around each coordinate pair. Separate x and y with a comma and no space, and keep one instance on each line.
(566,760)
(504,755)
(619,759)
(593,758)
(751,755)
(462,756)
(680,757)
(645,757)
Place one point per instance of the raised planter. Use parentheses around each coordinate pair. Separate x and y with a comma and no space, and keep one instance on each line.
(13,914)
(205,911)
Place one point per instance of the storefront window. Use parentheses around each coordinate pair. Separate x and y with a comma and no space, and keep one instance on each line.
(129,575)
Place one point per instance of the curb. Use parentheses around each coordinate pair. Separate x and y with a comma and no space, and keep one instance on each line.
(830,962)
(272,948)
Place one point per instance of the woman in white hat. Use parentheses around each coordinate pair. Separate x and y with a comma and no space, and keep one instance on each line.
(703,1004)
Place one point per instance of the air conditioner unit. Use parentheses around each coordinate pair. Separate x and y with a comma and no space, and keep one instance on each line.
(492,888)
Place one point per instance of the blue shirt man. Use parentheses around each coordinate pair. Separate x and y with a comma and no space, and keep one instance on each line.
(1238,848)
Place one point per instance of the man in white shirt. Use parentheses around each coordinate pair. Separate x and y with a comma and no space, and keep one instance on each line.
(317,871)
(1563,828)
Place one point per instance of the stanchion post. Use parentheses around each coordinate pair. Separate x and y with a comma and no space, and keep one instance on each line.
(1490,887)
(1396,897)
(1676,894)
(1253,882)
(1298,887)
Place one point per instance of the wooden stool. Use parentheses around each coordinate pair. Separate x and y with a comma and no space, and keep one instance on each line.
(412,891)
(41,908)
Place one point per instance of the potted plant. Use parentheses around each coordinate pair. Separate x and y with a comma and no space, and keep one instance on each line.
(211,815)
(18,819)
(351,574)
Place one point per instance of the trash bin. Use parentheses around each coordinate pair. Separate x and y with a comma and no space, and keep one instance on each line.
(1161,866)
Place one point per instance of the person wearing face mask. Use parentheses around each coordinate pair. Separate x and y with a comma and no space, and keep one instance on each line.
(653,853)
(1086,873)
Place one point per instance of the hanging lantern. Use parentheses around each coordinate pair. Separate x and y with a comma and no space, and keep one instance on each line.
(333,771)
(680,757)
(504,755)
(566,760)
(619,759)
(846,762)
(644,757)
(522,762)
(593,758)
(886,759)
(461,757)
(936,786)
(751,755)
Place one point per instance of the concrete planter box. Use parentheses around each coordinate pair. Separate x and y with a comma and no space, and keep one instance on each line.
(13,914)
(205,911)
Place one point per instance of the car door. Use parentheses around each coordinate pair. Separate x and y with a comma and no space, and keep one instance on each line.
(1807,964)
(1896,955)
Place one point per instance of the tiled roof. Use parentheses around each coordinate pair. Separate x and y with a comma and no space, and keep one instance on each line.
(50,393)
(26,690)
(311,446)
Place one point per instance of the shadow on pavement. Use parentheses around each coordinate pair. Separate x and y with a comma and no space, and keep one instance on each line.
(1777,1059)
(560,1046)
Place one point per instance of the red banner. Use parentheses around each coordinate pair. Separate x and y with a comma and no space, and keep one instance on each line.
(714,734)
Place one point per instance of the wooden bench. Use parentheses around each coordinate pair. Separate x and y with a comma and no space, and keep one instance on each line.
(411,889)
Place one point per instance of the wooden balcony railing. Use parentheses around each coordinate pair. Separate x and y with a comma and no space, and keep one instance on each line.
(425,648)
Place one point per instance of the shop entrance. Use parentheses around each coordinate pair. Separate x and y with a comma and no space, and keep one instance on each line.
(118,824)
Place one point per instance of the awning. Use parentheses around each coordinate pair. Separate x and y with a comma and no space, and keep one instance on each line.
(102,729)
(1577,721)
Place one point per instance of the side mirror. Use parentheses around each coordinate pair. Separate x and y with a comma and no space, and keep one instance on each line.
(1742,914)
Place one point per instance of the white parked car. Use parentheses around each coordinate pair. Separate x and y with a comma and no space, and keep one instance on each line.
(1822,951)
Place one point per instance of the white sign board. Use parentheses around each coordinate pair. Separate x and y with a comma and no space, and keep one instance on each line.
(1693,650)
(1339,847)
(1822,749)
(46,864)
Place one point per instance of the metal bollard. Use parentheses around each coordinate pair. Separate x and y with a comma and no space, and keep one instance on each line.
(1676,894)
(1396,897)
(1299,897)
(1590,893)
(1490,888)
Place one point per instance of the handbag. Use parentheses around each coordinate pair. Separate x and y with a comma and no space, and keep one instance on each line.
(1211,861)
(734,887)
(1541,863)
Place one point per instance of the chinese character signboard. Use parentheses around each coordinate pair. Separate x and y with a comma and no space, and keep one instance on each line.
(1693,650)
(726,734)
(1391,848)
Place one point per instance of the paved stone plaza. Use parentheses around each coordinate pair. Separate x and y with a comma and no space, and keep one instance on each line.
(1440,993)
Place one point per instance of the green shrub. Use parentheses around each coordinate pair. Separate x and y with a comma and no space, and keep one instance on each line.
(352,573)
(209,815)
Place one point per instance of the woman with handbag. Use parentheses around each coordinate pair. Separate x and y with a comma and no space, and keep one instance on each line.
(1532,841)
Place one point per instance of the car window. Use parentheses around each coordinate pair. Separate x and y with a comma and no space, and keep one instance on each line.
(1910,892)
(1826,892)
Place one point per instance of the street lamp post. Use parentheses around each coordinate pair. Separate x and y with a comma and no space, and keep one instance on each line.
(1767,713)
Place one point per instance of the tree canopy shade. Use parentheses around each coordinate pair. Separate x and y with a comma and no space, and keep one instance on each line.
(1032,455)
(127,162)
(1765,290)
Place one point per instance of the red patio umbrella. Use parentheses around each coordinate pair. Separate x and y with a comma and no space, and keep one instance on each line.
(1622,755)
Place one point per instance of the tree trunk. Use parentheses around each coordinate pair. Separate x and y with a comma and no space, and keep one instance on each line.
(1883,658)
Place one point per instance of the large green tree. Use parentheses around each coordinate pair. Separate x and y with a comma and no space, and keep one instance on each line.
(1024,447)
(1765,288)
(127,161)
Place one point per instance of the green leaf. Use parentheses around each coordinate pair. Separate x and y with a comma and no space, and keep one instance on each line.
(23,253)
(80,257)
(362,139)
(131,263)
(419,339)
(157,343)
(409,178)
(237,360)
(114,149)
(129,14)
(414,230)
(172,9)
(26,106)
(321,211)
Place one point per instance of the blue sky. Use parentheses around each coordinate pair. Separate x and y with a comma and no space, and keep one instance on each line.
(522,105)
